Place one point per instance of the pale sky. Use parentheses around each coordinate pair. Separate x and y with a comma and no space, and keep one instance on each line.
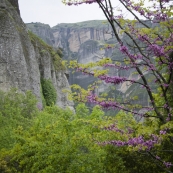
(53,12)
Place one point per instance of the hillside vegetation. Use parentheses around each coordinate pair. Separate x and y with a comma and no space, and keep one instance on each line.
(56,140)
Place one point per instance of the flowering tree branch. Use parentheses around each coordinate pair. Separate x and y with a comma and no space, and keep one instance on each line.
(148,49)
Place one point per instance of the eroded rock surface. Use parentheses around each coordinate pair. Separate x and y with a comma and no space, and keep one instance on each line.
(24,62)
(86,42)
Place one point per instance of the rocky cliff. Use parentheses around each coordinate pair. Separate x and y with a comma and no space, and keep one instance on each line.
(43,31)
(85,42)
(25,59)
(82,41)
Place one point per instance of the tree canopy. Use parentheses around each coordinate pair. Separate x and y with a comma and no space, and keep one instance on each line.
(146,46)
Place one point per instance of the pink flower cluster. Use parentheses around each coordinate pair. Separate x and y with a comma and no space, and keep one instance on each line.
(157,50)
(136,141)
(114,80)
(92,98)
(114,128)
(143,37)
(163,132)
(139,141)
(108,79)
(125,51)
(156,15)
(168,164)
(169,117)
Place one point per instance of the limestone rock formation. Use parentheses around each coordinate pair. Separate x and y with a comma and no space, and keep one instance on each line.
(82,41)
(23,61)
(43,31)
(85,42)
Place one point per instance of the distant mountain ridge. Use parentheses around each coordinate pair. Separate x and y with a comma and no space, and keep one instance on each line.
(85,42)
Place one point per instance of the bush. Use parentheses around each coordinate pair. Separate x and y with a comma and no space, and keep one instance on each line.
(49,92)
(57,141)
(16,110)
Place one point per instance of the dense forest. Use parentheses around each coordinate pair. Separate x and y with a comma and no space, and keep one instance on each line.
(56,140)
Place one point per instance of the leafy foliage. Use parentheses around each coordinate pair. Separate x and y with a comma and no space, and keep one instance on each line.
(16,110)
(146,54)
(56,140)
(49,92)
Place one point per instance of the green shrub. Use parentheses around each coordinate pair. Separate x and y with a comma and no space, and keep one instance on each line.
(49,92)
(16,110)
(60,52)
(82,111)
(57,141)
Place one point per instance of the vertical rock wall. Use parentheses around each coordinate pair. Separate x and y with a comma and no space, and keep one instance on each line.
(15,4)
(20,59)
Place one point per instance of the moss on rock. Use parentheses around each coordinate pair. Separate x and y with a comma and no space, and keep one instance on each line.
(43,48)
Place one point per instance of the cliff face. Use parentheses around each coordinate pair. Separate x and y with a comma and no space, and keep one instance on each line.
(24,61)
(74,35)
(84,42)
(43,31)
